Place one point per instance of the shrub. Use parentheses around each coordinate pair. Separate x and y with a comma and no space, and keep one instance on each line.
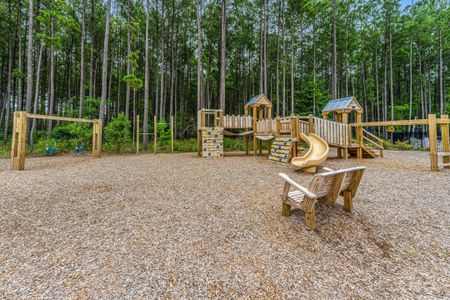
(117,132)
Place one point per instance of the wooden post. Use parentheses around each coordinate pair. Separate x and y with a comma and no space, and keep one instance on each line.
(221,118)
(344,120)
(97,139)
(311,124)
(255,141)
(269,113)
(154,134)
(137,134)
(260,113)
(432,132)
(359,136)
(445,139)
(278,126)
(171,134)
(18,146)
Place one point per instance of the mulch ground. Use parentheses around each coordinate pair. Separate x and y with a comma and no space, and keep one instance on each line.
(178,226)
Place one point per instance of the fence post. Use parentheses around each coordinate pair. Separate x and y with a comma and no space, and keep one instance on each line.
(97,139)
(445,139)
(155,132)
(432,132)
(137,134)
(359,136)
(311,124)
(18,144)
(171,134)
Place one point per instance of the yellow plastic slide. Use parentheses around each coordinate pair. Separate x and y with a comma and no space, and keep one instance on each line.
(317,153)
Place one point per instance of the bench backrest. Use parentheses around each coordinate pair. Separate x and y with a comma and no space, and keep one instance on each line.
(328,185)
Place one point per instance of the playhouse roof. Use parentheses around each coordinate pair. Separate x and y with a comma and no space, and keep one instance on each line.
(260,99)
(343,105)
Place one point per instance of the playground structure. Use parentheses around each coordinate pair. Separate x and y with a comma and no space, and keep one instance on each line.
(284,133)
(18,145)
(316,154)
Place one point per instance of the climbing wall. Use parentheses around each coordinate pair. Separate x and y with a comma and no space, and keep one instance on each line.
(281,149)
(212,142)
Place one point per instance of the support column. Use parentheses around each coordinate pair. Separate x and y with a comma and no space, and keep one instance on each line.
(344,119)
(18,145)
(359,136)
(255,117)
(445,139)
(97,139)
(137,134)
(432,133)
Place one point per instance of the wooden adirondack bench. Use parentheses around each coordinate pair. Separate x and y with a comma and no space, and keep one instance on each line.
(324,186)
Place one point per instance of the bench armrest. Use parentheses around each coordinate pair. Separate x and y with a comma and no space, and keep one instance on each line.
(297,186)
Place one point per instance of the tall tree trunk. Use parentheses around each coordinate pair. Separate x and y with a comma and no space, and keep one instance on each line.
(127,97)
(334,56)
(391,71)
(30,57)
(10,69)
(91,62)
(277,88)
(20,67)
(83,33)
(36,96)
(51,101)
(441,75)
(283,62)
(265,44)
(292,67)
(410,78)
(147,78)
(223,50)
(105,61)
(200,102)
(314,64)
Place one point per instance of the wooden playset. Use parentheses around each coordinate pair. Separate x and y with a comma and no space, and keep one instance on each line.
(18,146)
(284,133)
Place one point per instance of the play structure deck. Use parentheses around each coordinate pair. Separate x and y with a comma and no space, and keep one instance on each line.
(284,133)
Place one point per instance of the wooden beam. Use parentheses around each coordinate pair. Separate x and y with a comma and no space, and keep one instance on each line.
(171,134)
(18,146)
(445,139)
(359,136)
(57,118)
(137,134)
(155,132)
(390,123)
(97,139)
(432,132)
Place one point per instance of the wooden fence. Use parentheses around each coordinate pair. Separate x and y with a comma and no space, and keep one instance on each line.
(333,133)
(238,122)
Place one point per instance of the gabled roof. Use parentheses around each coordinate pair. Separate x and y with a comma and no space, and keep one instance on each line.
(343,104)
(260,99)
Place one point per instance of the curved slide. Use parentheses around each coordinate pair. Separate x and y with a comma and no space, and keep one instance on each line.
(317,153)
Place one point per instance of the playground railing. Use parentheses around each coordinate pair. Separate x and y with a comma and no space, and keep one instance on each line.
(239,122)
(265,127)
(333,133)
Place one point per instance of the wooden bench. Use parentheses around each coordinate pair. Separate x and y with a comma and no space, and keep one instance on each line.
(324,186)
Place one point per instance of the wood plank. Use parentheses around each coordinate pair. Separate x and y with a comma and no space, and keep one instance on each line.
(58,118)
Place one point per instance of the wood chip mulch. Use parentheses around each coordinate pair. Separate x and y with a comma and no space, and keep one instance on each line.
(179,226)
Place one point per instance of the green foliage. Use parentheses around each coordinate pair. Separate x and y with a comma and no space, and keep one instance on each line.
(117,133)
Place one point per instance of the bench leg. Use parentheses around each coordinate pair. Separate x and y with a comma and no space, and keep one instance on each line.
(310,218)
(286,210)
(348,201)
